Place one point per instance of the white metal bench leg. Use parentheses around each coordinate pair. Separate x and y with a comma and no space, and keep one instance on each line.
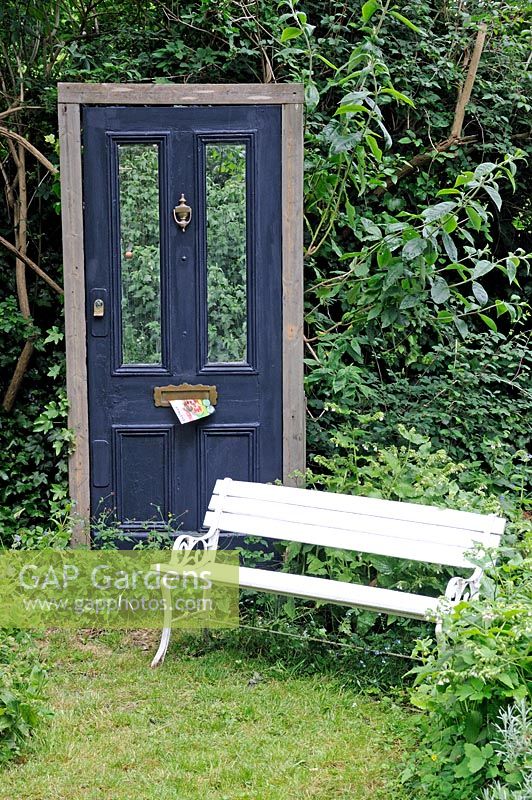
(183,542)
(166,632)
(163,647)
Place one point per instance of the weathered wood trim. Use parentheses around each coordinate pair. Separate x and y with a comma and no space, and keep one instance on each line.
(294,405)
(184,94)
(74,284)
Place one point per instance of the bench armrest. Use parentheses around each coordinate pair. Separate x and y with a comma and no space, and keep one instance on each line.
(464,588)
(459,589)
(188,541)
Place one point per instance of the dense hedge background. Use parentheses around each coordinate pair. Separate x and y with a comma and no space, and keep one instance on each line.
(386,319)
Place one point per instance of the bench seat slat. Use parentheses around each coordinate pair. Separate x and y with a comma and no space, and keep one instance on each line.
(364,505)
(371,598)
(434,553)
(348,521)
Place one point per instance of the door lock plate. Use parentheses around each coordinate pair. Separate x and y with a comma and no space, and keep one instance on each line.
(185,391)
(98,308)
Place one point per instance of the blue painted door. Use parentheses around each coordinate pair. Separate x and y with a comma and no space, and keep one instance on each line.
(191,297)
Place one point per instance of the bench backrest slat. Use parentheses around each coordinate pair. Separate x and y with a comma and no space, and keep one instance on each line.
(402,530)
(362,505)
(434,553)
(346,521)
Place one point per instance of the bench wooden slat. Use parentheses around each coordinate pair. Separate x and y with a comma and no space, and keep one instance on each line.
(371,598)
(371,506)
(347,521)
(435,553)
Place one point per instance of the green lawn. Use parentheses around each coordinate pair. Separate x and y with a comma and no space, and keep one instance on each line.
(196,728)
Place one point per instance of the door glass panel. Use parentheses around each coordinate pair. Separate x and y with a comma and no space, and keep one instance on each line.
(225,167)
(138,173)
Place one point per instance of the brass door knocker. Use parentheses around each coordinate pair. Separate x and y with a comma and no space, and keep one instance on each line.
(182,213)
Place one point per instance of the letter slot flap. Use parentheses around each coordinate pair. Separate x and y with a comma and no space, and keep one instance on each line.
(185,391)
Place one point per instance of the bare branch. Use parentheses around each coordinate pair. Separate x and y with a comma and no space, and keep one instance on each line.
(10,111)
(465,92)
(14,154)
(31,264)
(421,159)
(16,380)
(522,136)
(455,137)
(21,234)
(8,188)
(7,62)
(30,148)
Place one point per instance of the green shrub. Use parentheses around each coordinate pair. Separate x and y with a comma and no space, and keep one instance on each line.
(34,443)
(471,399)
(22,682)
(481,666)
(411,471)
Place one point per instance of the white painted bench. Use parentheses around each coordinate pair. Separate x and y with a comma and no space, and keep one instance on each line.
(365,524)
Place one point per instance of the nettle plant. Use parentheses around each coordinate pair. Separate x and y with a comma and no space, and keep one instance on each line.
(412,471)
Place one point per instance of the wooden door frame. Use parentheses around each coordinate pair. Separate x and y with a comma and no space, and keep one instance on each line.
(71,96)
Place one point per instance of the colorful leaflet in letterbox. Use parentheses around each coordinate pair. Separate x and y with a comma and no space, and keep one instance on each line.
(191,410)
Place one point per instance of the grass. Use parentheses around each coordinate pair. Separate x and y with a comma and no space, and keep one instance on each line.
(210,723)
